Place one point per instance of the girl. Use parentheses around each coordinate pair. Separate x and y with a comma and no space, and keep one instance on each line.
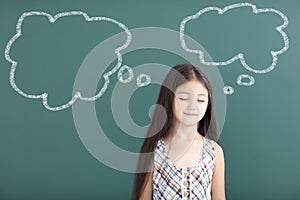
(187,162)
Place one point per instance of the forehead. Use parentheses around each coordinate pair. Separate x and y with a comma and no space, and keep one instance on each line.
(192,87)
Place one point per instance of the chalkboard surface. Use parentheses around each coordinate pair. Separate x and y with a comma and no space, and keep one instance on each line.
(54,55)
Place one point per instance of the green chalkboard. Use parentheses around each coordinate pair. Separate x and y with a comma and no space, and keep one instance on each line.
(69,133)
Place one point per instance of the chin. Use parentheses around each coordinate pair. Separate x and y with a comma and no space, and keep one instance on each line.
(189,123)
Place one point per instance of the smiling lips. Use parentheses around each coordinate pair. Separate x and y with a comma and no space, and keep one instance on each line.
(190,114)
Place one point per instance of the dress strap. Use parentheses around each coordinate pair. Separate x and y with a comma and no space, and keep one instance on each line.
(208,150)
(159,156)
(209,144)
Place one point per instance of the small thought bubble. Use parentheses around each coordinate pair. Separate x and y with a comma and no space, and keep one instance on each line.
(228,90)
(130,74)
(245,76)
(139,80)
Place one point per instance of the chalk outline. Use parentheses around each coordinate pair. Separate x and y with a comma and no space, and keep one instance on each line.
(242,76)
(77,95)
(139,82)
(228,90)
(130,74)
(239,56)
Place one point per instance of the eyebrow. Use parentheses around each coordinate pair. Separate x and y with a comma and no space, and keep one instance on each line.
(200,94)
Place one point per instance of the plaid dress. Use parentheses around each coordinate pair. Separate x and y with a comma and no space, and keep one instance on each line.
(172,182)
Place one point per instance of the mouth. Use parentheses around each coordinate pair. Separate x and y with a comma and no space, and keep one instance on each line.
(190,114)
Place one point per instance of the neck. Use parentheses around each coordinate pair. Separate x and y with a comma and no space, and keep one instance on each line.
(184,132)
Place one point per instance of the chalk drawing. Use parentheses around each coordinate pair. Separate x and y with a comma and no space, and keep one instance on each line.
(245,76)
(239,56)
(52,19)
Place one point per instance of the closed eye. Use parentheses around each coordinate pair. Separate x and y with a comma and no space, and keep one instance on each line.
(184,99)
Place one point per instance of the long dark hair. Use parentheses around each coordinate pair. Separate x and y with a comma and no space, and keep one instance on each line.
(162,120)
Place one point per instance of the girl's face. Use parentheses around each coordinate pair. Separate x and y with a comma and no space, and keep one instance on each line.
(190,102)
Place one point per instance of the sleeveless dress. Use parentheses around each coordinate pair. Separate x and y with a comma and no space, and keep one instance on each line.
(172,182)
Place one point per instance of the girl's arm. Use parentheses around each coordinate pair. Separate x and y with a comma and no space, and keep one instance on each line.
(218,180)
(146,193)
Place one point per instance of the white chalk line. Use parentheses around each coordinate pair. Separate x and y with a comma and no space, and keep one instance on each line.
(239,56)
(228,90)
(245,76)
(139,82)
(130,74)
(77,95)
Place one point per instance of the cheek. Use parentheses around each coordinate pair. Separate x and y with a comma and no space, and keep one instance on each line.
(202,109)
(203,106)
(177,106)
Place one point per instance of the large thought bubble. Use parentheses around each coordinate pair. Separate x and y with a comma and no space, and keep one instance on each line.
(77,95)
(228,37)
(239,56)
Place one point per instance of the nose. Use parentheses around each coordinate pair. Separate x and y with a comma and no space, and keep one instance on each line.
(192,105)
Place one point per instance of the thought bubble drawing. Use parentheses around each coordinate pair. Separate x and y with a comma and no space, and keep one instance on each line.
(245,76)
(239,56)
(130,75)
(228,90)
(139,82)
(77,94)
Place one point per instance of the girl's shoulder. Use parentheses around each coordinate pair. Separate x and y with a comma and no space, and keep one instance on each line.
(214,148)
(218,150)
(213,145)
(209,143)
